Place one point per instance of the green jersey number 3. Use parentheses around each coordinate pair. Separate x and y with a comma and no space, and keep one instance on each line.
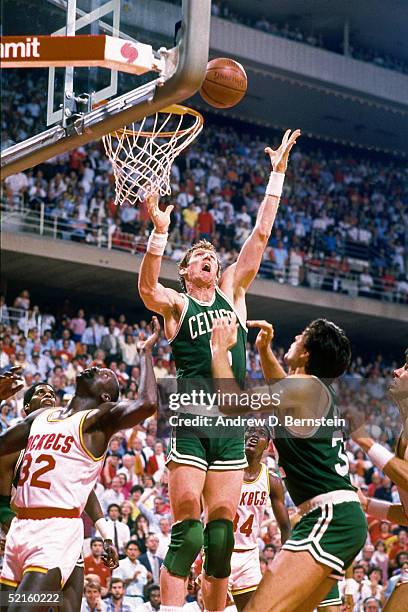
(342,467)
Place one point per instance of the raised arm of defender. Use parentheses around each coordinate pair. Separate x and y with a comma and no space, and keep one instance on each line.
(237,279)
(155,296)
(112,417)
(297,393)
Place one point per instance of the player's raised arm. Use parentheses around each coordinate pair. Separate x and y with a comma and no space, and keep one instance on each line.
(271,368)
(10,383)
(155,296)
(15,438)
(277,497)
(294,391)
(112,417)
(240,275)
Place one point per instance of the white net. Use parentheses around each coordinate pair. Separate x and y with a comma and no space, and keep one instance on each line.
(142,153)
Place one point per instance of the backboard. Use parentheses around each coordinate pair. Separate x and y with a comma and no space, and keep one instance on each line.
(76,104)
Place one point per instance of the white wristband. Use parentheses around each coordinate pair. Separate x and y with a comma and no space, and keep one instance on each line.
(379,455)
(349,586)
(156,244)
(275,184)
(100,525)
(378,508)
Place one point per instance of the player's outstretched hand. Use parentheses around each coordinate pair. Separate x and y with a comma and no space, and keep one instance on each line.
(357,427)
(148,344)
(160,218)
(10,383)
(279,158)
(265,336)
(110,555)
(224,333)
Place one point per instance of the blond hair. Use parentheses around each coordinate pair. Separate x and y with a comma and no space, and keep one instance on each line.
(200,245)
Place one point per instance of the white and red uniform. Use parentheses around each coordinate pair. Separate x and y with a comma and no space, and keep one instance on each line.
(245,568)
(56,477)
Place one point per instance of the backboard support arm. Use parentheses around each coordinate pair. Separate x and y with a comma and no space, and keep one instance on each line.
(192,54)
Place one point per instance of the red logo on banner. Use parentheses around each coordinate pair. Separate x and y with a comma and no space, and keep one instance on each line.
(129,52)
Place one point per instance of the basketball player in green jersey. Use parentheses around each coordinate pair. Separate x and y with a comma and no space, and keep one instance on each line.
(333,528)
(203,467)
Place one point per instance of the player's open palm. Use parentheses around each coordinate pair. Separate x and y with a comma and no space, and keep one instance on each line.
(224,333)
(10,382)
(160,218)
(265,335)
(147,345)
(279,158)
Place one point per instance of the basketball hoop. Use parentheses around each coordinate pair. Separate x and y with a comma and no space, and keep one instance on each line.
(142,153)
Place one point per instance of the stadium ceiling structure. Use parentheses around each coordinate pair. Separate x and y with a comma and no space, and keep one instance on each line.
(373,24)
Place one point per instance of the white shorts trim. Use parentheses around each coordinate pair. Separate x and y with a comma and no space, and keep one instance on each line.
(312,542)
(46,543)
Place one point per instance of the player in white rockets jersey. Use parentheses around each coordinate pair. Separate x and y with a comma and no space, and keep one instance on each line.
(64,454)
(42,395)
(396,468)
(258,487)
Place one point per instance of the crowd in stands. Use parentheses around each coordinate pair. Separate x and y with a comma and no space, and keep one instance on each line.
(341,226)
(310,37)
(313,38)
(133,488)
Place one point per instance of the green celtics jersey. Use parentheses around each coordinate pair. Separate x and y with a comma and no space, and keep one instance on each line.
(317,464)
(191,342)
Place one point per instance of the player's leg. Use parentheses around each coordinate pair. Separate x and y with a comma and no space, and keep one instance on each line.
(245,576)
(278,593)
(242,599)
(221,497)
(332,601)
(73,589)
(6,593)
(185,488)
(322,593)
(37,582)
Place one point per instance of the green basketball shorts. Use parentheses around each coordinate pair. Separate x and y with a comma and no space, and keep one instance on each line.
(333,533)
(198,447)
(332,598)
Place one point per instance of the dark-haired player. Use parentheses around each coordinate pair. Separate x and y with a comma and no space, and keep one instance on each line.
(333,527)
(64,454)
(396,468)
(42,396)
(203,465)
(258,487)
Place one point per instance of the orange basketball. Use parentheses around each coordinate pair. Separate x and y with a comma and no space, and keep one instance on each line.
(225,83)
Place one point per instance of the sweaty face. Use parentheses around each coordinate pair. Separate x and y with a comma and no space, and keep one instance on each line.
(399,385)
(256,440)
(202,269)
(295,356)
(94,382)
(43,397)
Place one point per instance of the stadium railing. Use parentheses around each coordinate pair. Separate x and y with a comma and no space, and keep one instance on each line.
(313,273)
(24,319)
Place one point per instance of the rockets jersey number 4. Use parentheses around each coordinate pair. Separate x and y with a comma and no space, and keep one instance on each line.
(57,471)
(250,511)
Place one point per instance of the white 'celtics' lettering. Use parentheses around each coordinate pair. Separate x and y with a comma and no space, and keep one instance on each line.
(201,324)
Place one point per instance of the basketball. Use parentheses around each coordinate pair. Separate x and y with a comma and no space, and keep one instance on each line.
(225,83)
